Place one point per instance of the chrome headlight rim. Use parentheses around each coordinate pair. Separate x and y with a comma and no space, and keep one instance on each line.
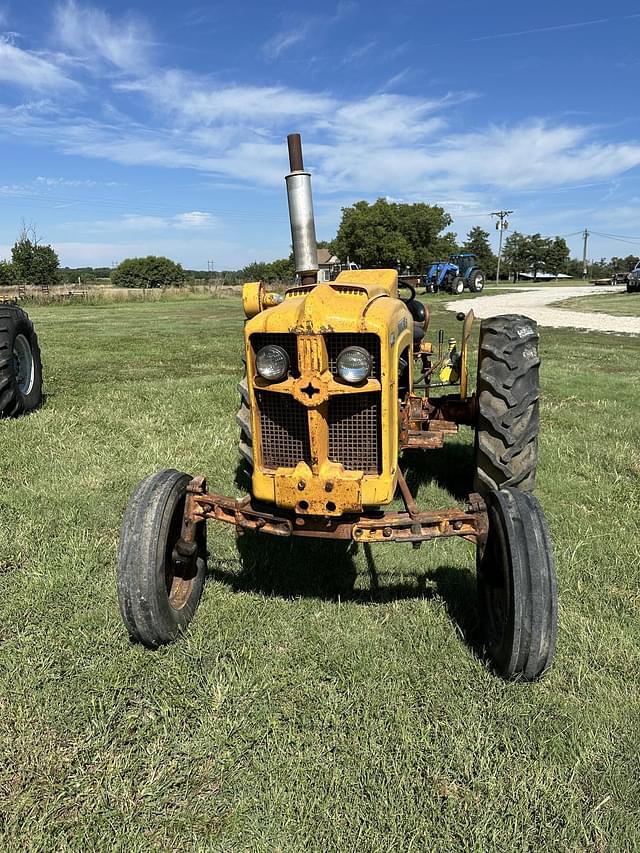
(351,374)
(268,369)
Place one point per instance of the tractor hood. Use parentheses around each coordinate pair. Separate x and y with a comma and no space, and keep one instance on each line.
(358,301)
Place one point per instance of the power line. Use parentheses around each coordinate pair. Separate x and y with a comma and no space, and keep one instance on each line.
(628,241)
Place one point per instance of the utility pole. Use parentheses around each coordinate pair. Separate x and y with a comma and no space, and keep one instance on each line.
(501,225)
(585,235)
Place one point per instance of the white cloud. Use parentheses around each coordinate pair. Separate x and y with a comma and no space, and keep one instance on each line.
(383,143)
(194,219)
(203,101)
(30,70)
(90,31)
(280,42)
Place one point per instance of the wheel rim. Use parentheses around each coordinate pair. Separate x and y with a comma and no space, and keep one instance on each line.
(23,364)
(179,579)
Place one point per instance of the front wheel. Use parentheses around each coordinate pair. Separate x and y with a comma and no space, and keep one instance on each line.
(457,285)
(158,594)
(517,586)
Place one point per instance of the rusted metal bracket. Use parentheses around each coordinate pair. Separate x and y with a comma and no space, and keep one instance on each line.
(409,526)
(186,548)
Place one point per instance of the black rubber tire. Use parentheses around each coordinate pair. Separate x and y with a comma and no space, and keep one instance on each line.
(157,604)
(14,401)
(517,588)
(508,392)
(457,285)
(476,281)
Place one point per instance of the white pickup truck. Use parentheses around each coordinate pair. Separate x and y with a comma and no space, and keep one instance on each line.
(633,282)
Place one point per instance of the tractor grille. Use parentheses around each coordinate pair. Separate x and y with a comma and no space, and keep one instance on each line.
(287,341)
(283,430)
(354,431)
(339,341)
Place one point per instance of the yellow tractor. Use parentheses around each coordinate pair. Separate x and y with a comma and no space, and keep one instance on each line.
(337,384)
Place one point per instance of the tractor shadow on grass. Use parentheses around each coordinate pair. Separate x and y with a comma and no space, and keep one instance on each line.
(451,467)
(326,568)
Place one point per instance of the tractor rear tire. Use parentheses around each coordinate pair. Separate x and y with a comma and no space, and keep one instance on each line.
(158,598)
(457,285)
(476,282)
(517,586)
(508,393)
(20,364)
(243,419)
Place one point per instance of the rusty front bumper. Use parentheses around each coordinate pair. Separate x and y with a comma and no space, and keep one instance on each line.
(411,525)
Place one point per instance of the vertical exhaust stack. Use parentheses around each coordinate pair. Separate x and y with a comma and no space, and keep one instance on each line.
(303,227)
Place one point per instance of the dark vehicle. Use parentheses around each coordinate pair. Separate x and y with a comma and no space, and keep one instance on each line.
(20,363)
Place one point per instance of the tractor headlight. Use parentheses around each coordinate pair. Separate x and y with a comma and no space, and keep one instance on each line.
(353,365)
(272,362)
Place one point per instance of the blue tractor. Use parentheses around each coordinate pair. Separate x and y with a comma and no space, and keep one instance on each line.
(459,271)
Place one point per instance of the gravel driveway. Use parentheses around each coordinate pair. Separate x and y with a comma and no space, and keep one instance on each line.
(537,303)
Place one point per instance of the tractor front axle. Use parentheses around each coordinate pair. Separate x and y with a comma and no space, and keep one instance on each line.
(411,525)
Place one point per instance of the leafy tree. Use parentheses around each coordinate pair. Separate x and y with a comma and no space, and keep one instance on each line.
(282,269)
(32,262)
(514,253)
(385,234)
(7,273)
(536,251)
(478,242)
(152,271)
(623,264)
(557,258)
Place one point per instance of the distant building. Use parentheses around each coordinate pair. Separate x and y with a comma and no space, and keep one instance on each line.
(327,264)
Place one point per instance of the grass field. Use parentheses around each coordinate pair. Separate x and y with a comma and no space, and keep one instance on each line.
(619,304)
(320,701)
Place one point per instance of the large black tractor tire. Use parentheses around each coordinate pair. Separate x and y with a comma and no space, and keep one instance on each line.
(20,363)
(476,281)
(457,284)
(243,419)
(158,595)
(508,392)
(517,586)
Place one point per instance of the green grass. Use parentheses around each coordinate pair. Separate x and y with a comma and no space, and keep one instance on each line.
(321,701)
(619,304)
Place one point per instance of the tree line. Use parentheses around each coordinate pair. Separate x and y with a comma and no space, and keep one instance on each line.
(380,234)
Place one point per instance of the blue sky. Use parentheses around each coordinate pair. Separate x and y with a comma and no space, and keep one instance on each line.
(132,128)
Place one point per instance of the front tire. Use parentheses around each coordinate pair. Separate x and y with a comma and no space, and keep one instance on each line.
(20,364)
(158,597)
(457,285)
(508,392)
(517,586)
